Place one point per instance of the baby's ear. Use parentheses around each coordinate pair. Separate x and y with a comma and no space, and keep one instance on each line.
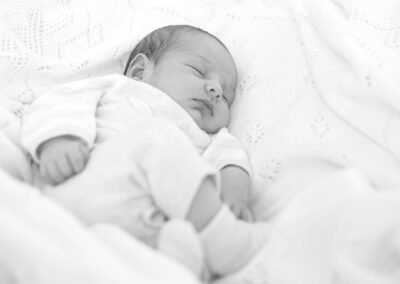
(138,66)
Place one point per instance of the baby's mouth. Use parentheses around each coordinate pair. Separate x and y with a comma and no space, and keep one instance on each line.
(207,105)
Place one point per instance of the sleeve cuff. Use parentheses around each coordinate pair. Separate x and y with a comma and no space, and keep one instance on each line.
(32,142)
(225,150)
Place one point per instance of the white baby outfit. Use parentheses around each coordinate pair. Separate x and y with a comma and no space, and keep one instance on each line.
(143,167)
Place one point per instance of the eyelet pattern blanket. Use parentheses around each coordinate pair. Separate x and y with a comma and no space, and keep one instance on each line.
(317,108)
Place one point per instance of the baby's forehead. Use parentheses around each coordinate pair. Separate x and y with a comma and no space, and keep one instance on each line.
(191,44)
(190,37)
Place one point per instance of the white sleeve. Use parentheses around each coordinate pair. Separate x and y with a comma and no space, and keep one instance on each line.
(68,109)
(224,150)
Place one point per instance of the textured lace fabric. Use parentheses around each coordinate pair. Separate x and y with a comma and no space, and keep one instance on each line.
(318,86)
(47,42)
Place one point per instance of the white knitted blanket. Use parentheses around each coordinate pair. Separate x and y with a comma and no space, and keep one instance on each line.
(318,93)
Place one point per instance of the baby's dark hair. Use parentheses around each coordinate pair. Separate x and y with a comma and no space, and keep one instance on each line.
(161,40)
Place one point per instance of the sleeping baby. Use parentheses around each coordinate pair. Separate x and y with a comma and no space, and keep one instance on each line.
(142,149)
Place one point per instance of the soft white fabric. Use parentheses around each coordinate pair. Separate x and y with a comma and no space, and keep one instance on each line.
(318,92)
(330,99)
(229,243)
(179,240)
(42,243)
(13,161)
(225,150)
(339,230)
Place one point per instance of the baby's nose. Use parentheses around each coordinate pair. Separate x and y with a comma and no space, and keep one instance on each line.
(215,91)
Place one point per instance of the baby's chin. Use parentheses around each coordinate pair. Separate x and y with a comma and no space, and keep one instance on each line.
(200,120)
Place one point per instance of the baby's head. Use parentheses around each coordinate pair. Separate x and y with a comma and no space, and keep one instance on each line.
(191,66)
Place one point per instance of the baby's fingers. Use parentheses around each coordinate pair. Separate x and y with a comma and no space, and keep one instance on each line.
(64,167)
(78,158)
(51,173)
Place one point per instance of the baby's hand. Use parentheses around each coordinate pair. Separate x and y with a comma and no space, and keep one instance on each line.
(62,157)
(236,185)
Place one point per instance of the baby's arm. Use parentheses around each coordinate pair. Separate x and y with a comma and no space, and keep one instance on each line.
(61,126)
(235,190)
(226,153)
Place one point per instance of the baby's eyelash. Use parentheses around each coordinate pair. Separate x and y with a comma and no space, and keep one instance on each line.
(197,70)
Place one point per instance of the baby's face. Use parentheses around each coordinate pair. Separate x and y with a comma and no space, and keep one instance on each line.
(201,77)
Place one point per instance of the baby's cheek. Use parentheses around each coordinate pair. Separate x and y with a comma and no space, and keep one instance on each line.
(196,115)
(226,117)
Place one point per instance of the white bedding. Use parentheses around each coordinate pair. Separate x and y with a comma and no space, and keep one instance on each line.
(42,243)
(318,93)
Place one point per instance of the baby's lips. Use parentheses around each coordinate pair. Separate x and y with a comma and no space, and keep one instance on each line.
(206,105)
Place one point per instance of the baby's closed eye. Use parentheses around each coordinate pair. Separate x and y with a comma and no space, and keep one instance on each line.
(197,69)
(226,100)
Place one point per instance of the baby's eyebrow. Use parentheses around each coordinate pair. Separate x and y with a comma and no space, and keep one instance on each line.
(202,58)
